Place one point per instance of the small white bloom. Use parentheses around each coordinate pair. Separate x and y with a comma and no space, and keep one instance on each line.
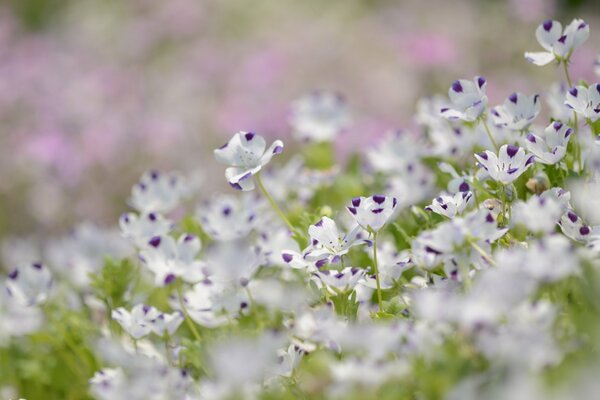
(158,192)
(341,281)
(559,45)
(551,146)
(319,116)
(137,323)
(326,239)
(141,228)
(517,112)
(372,213)
(508,165)
(169,259)
(585,101)
(228,218)
(468,99)
(30,284)
(450,205)
(246,155)
(107,384)
(398,150)
(391,266)
(556,101)
(538,214)
(573,227)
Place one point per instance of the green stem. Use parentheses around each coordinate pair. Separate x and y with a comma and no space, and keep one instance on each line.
(273,203)
(576,144)
(566,69)
(482,252)
(489,133)
(376,270)
(504,204)
(188,320)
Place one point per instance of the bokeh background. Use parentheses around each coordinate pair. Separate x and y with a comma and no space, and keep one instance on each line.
(95,92)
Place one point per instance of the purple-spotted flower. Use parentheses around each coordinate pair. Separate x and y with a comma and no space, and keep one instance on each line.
(319,116)
(517,112)
(158,192)
(468,100)
(555,98)
(141,228)
(144,319)
(585,101)
(550,147)
(228,218)
(372,213)
(326,238)
(340,281)
(508,165)
(246,155)
(169,259)
(538,214)
(30,284)
(573,227)
(559,44)
(450,205)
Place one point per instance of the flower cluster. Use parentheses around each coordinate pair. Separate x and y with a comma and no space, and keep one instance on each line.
(459,262)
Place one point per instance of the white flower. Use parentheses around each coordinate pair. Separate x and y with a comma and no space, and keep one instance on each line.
(585,101)
(372,213)
(107,384)
(556,101)
(517,112)
(246,155)
(158,192)
(468,99)
(508,165)
(450,205)
(169,259)
(391,266)
(30,284)
(141,228)
(326,239)
(144,319)
(573,227)
(398,150)
(319,116)
(559,45)
(551,147)
(538,214)
(341,281)
(227,218)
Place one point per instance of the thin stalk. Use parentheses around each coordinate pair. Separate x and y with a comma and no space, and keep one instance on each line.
(273,203)
(482,252)
(188,320)
(576,144)
(376,270)
(489,133)
(504,204)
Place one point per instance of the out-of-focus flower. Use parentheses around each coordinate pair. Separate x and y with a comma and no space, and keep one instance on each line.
(319,116)
(169,259)
(325,237)
(144,319)
(556,101)
(158,192)
(450,205)
(559,45)
(573,226)
(551,146)
(228,218)
(246,154)
(585,101)
(517,112)
(372,213)
(508,165)
(341,281)
(538,214)
(30,284)
(468,99)
(141,228)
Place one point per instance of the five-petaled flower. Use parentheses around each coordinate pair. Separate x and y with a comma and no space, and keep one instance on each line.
(450,205)
(517,112)
(508,165)
(559,45)
(319,116)
(585,101)
(372,213)
(468,99)
(246,154)
(551,146)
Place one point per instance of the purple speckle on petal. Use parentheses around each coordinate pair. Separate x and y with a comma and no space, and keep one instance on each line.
(481,81)
(152,217)
(511,150)
(37,265)
(464,187)
(352,210)
(483,155)
(513,97)
(155,241)
(584,230)
(547,25)
(377,211)
(562,39)
(531,138)
(572,216)
(489,218)
(188,238)
(530,160)
(227,211)
(320,263)
(224,146)
(236,186)
(320,223)
(512,170)
(356,201)
(457,87)
(379,199)
(154,175)
(169,279)
(278,150)
(287,257)
(557,125)
(249,136)
(573,92)
(14,274)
